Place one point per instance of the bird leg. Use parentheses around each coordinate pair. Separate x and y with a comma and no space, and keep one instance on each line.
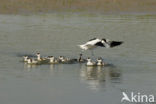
(82,52)
(92,53)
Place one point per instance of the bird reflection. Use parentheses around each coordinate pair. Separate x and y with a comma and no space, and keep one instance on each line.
(29,67)
(100,77)
(52,67)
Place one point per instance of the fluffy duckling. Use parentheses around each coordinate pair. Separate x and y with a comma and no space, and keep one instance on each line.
(81,60)
(100,62)
(42,60)
(90,63)
(53,60)
(64,60)
(32,61)
(39,58)
(78,60)
(25,58)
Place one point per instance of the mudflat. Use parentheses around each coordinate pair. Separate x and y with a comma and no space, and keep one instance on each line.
(101,6)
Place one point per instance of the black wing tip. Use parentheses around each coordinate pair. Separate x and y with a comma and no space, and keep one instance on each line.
(121,42)
(116,43)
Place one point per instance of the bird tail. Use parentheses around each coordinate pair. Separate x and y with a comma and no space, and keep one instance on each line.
(82,47)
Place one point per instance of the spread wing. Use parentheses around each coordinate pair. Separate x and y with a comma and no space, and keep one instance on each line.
(100,44)
(93,42)
(115,43)
(90,46)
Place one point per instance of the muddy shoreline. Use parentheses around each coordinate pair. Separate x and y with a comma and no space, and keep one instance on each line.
(90,6)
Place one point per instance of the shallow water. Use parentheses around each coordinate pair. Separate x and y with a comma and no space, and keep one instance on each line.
(133,62)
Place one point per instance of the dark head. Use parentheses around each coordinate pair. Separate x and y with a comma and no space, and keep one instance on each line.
(80,58)
(103,39)
(25,56)
(99,58)
(88,58)
(37,53)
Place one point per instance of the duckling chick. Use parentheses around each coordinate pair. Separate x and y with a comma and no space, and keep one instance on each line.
(32,61)
(100,62)
(64,60)
(81,60)
(61,59)
(25,58)
(42,60)
(39,58)
(53,60)
(90,63)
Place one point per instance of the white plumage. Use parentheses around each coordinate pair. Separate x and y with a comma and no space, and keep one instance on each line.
(90,44)
(95,42)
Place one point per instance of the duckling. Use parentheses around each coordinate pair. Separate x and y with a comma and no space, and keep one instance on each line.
(25,58)
(53,60)
(39,58)
(64,60)
(100,62)
(90,63)
(32,61)
(61,59)
(42,60)
(81,60)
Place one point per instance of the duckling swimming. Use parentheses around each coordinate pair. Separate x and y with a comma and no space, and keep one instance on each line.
(90,63)
(53,60)
(64,60)
(42,60)
(32,61)
(39,57)
(100,62)
(81,60)
(25,58)
(78,60)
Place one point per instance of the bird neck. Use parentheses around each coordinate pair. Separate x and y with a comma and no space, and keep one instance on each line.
(80,58)
(89,61)
(25,58)
(38,57)
(29,61)
(52,59)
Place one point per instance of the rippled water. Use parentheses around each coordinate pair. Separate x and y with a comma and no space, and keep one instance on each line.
(134,62)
